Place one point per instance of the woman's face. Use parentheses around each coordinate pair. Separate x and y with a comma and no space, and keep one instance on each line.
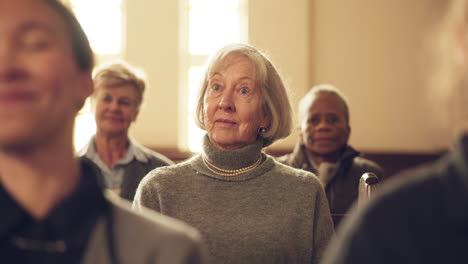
(116,109)
(233,110)
(325,130)
(41,87)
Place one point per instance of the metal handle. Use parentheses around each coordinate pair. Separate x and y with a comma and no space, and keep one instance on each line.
(368,185)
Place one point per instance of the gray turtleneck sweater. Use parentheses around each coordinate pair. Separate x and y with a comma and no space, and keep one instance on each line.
(271,214)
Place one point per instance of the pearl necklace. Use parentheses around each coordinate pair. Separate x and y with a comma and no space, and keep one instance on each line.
(229,173)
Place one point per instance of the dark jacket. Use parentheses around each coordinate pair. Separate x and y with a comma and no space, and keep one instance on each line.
(342,189)
(90,226)
(135,170)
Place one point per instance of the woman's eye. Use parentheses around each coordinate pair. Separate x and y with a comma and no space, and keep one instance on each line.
(124,102)
(36,41)
(244,90)
(107,99)
(36,45)
(332,120)
(216,87)
(314,121)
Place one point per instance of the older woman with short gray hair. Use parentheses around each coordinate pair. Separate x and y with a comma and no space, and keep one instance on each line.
(116,101)
(323,148)
(249,208)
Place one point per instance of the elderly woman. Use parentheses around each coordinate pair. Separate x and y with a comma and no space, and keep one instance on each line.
(422,217)
(249,208)
(116,102)
(323,149)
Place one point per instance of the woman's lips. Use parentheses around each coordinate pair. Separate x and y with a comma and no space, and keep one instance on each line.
(324,140)
(113,118)
(225,122)
(16,97)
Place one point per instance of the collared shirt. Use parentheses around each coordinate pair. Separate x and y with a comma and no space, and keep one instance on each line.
(113,177)
(61,237)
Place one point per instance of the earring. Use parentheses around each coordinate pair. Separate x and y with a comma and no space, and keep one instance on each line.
(262,130)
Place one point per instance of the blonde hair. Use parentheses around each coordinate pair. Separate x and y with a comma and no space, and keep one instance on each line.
(120,73)
(276,104)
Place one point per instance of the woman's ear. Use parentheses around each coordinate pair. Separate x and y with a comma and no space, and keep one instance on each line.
(85,88)
(266,121)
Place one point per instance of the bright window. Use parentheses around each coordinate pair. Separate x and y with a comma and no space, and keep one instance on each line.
(207,25)
(103,23)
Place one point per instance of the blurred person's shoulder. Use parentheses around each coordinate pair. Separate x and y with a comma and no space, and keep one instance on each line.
(149,220)
(147,234)
(419,210)
(416,190)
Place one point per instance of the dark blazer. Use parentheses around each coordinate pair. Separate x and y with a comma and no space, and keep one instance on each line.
(135,170)
(343,188)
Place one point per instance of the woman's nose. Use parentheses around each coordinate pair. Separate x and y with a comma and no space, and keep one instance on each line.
(323,125)
(9,65)
(226,102)
(114,105)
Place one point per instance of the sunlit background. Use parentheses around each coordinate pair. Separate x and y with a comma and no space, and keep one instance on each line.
(371,50)
(105,24)
(227,21)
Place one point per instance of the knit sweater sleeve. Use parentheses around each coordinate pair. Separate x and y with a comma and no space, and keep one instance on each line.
(147,195)
(323,226)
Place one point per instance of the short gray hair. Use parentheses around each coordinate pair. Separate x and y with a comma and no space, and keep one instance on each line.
(119,73)
(276,104)
(306,102)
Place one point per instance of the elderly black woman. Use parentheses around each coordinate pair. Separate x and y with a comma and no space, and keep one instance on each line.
(323,149)
(248,207)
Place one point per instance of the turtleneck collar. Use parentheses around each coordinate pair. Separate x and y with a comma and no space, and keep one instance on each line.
(233,159)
